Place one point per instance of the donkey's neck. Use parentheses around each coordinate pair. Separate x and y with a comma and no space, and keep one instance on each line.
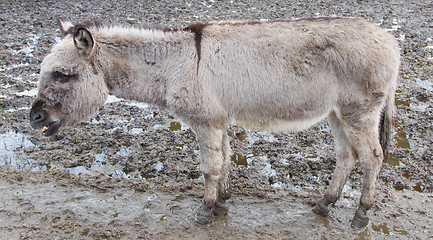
(140,64)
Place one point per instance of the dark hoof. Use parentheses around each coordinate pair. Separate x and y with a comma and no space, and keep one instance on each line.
(203,216)
(360,220)
(321,209)
(359,223)
(220,209)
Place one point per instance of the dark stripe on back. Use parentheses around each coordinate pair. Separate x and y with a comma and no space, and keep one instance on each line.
(197,29)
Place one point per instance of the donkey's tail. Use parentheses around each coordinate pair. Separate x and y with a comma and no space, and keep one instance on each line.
(386,125)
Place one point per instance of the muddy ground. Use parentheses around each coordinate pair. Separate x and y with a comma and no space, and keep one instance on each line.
(132,171)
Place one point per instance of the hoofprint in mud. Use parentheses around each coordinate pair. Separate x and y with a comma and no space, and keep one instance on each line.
(295,73)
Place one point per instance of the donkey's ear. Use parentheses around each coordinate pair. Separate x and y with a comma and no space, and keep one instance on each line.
(83,40)
(65,27)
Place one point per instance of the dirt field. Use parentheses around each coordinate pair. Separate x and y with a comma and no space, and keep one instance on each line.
(132,172)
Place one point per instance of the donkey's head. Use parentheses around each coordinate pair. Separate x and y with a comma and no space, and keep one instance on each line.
(71,86)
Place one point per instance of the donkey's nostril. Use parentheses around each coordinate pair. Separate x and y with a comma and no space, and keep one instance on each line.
(37,116)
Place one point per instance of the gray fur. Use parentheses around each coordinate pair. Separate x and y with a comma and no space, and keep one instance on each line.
(277,76)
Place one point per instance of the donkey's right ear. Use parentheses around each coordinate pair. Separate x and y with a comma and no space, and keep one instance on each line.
(65,27)
(83,40)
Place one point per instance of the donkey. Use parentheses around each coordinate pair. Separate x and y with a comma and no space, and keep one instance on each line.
(265,75)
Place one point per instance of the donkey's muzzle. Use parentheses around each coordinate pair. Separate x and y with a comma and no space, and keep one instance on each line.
(40,119)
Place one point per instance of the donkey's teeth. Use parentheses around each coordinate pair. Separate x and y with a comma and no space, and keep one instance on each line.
(44,128)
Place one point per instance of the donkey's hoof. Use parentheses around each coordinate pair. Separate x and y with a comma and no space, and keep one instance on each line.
(359,223)
(220,209)
(360,220)
(321,209)
(203,216)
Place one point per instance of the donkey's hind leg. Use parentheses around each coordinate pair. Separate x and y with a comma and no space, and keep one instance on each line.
(346,159)
(368,148)
(363,133)
(210,140)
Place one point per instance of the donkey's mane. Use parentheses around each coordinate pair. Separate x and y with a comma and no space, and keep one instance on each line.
(97,24)
(195,27)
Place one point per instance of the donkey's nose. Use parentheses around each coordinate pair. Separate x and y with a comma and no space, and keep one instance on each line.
(37,115)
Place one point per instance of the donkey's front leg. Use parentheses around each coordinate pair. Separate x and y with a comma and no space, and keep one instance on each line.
(210,140)
(224,192)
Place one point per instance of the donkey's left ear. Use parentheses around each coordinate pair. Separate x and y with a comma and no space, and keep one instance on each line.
(65,27)
(83,40)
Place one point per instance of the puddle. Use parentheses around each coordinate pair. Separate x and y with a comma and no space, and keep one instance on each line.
(400,102)
(9,144)
(175,126)
(306,144)
(243,160)
(399,187)
(400,231)
(241,136)
(419,187)
(400,136)
(422,99)
(178,198)
(383,228)
(239,159)
(393,160)
(406,175)
(146,175)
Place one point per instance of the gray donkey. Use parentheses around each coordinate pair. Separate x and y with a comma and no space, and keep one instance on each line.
(273,75)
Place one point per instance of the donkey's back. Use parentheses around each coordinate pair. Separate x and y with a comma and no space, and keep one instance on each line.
(287,75)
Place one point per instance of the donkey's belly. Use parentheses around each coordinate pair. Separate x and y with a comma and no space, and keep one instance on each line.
(280,125)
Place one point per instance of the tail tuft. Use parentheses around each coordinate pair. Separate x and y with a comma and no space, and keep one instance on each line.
(386,125)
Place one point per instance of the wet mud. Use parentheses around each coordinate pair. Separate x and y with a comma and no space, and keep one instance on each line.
(132,171)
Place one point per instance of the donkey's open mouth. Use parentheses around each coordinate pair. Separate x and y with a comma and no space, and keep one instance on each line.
(51,128)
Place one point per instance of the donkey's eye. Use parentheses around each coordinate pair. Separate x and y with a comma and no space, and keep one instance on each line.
(60,77)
